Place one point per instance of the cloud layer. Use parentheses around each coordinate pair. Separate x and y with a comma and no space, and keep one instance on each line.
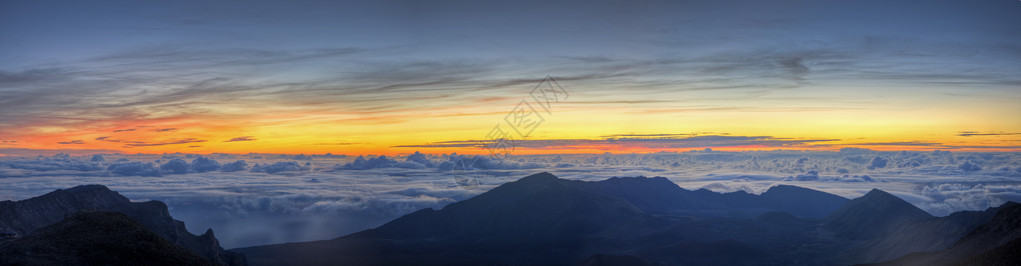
(252,199)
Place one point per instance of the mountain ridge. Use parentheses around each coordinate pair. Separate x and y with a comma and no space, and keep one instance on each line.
(993,243)
(874,214)
(552,220)
(31,214)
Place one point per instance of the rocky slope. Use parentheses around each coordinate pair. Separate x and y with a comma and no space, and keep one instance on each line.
(997,242)
(96,238)
(26,216)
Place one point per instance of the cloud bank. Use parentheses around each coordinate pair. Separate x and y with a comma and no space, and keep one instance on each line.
(252,199)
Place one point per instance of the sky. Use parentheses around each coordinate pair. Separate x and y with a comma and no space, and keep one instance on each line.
(395,77)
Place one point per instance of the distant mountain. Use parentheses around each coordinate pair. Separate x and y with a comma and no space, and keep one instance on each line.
(654,195)
(798,201)
(659,195)
(96,238)
(541,219)
(801,201)
(26,216)
(997,242)
(539,213)
(876,214)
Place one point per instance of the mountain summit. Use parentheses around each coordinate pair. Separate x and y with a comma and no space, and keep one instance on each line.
(875,214)
(542,219)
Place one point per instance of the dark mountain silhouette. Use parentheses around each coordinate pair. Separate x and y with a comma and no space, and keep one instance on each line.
(920,237)
(997,242)
(96,238)
(801,201)
(876,214)
(549,218)
(536,209)
(653,195)
(1005,227)
(659,195)
(613,260)
(1005,255)
(784,198)
(26,216)
(541,219)
(725,252)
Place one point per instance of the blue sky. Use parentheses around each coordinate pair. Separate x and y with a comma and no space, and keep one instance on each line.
(865,71)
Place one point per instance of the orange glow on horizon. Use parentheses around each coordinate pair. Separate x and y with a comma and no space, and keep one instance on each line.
(319,130)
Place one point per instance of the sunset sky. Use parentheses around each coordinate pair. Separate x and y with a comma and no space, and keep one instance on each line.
(394,77)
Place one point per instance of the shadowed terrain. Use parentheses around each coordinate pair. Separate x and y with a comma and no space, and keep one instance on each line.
(541,219)
(26,216)
(96,238)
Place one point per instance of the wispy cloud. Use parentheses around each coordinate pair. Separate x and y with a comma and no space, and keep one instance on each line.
(927,145)
(897,143)
(244,138)
(138,143)
(77,141)
(652,141)
(976,133)
(162,143)
(35,152)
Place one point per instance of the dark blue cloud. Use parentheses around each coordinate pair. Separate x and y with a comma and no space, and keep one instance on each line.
(174,166)
(420,158)
(465,162)
(239,165)
(134,169)
(361,163)
(203,164)
(54,163)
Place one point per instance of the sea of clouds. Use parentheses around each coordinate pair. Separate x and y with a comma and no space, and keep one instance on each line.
(255,199)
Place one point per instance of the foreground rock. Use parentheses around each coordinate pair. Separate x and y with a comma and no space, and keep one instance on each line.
(96,238)
(26,216)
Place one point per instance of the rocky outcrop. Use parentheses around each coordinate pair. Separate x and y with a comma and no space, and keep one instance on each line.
(26,216)
(96,238)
